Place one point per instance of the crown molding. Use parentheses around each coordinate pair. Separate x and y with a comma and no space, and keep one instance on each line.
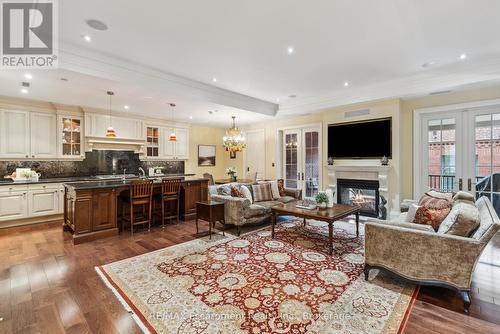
(77,59)
(456,76)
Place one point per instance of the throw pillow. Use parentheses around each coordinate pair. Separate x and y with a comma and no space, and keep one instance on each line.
(412,210)
(430,216)
(430,201)
(244,189)
(463,196)
(463,220)
(440,194)
(274,189)
(281,187)
(224,190)
(235,192)
(262,192)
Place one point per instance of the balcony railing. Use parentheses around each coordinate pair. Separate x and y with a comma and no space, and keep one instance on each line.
(444,182)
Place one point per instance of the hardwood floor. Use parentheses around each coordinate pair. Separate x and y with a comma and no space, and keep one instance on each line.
(48,285)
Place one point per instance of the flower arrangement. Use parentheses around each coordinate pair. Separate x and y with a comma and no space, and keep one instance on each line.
(322,199)
(231,171)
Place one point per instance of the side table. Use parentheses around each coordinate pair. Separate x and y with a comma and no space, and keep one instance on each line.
(211,212)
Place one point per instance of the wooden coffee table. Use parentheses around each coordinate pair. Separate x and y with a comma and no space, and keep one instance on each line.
(328,215)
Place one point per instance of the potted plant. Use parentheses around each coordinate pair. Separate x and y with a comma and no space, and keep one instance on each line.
(322,200)
(231,171)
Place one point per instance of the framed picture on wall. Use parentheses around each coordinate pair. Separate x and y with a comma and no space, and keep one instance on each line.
(206,155)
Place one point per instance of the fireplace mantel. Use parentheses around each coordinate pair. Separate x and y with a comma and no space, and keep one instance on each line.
(361,172)
(360,168)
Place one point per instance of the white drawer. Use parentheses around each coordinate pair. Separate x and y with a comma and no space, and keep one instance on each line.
(44,186)
(13,187)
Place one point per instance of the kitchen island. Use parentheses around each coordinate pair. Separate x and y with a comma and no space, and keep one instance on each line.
(91,207)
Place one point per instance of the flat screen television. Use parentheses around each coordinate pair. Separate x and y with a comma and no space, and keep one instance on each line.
(360,140)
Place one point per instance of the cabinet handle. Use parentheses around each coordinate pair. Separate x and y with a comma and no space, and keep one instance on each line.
(27,156)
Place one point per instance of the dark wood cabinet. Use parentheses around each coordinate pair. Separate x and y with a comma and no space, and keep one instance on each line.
(90,214)
(104,209)
(91,210)
(192,192)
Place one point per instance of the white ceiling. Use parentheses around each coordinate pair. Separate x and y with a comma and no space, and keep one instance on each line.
(171,50)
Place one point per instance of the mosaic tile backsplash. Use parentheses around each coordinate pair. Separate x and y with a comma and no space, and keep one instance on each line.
(95,163)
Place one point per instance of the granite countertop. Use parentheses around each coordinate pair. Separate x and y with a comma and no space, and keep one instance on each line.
(92,179)
(120,183)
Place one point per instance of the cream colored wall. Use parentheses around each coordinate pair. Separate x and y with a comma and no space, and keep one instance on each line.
(407,108)
(378,109)
(207,136)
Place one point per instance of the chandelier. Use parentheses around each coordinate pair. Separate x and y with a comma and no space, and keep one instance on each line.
(234,140)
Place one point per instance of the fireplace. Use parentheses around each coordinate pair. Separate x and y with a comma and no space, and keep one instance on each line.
(364,193)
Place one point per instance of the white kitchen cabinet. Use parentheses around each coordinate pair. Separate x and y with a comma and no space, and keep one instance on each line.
(70,141)
(178,149)
(182,144)
(43,202)
(126,128)
(43,135)
(29,201)
(13,204)
(14,134)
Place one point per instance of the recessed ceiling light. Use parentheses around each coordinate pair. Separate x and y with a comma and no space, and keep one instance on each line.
(87,38)
(214,79)
(428,64)
(278,99)
(463,56)
(28,76)
(346,84)
(126,107)
(190,117)
(290,50)
(97,25)
(24,90)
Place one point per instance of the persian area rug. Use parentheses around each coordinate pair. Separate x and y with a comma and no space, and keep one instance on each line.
(255,284)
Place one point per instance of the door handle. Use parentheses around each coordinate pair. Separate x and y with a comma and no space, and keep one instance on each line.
(302,176)
(469,184)
(460,184)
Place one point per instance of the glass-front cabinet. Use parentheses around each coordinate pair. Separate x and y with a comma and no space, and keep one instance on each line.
(70,132)
(152,142)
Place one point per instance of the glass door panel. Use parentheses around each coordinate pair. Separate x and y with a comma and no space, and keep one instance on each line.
(441,154)
(487,158)
(152,141)
(71,132)
(311,167)
(291,162)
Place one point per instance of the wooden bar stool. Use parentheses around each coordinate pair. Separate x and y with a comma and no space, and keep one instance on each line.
(141,194)
(170,193)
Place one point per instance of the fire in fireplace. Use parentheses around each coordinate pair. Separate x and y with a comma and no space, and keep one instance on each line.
(360,192)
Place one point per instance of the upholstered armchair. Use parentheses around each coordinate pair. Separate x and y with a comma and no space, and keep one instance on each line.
(419,254)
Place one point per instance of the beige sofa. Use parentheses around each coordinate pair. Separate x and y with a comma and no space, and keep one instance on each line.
(240,211)
(423,256)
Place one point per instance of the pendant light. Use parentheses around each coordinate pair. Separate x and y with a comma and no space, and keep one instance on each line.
(172,136)
(110,131)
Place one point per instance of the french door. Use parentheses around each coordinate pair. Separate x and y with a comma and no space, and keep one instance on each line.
(460,150)
(302,160)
